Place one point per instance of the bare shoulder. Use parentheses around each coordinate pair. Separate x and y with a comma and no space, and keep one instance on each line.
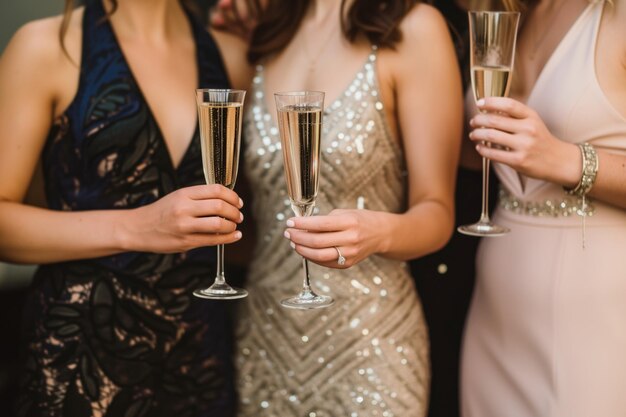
(35,52)
(34,41)
(40,39)
(424,24)
(234,53)
(425,35)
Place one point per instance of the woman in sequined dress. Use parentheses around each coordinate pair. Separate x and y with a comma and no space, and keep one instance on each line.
(546,333)
(389,150)
(110,326)
(445,278)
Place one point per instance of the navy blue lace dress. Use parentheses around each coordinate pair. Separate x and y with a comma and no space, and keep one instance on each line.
(122,335)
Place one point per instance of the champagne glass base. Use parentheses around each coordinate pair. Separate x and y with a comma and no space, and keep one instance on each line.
(221,292)
(307,300)
(480,229)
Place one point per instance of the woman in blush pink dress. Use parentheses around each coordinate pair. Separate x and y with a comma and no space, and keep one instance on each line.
(546,334)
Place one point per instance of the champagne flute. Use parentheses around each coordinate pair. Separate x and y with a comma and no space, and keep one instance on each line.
(219,116)
(492,51)
(300,125)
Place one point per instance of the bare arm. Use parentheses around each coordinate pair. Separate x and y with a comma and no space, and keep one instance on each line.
(430,108)
(31,69)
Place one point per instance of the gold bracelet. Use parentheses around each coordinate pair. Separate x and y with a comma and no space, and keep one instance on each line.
(590,171)
(587,179)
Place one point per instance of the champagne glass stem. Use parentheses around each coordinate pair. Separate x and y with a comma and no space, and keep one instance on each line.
(306,284)
(219,276)
(484,214)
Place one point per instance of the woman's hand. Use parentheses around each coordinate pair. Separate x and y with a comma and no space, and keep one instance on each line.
(238,17)
(357,234)
(203,215)
(524,142)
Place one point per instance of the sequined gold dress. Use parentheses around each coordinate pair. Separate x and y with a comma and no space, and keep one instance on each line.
(367,355)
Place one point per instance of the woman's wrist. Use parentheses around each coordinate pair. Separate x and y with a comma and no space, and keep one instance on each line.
(568,170)
(385,226)
(123,236)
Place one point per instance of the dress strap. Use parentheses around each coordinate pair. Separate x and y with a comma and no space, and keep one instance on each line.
(373,53)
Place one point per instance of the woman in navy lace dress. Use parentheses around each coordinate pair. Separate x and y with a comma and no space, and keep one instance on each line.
(110,326)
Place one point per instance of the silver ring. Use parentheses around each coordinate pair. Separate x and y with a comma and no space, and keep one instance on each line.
(340,259)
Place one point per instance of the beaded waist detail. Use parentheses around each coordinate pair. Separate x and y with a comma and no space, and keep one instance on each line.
(565,207)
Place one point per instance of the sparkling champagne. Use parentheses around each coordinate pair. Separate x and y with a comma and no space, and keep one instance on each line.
(491,81)
(300,131)
(220,130)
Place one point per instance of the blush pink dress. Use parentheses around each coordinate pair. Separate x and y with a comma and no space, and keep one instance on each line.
(546,334)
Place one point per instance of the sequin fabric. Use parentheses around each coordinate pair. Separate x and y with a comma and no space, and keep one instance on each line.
(565,207)
(122,336)
(367,355)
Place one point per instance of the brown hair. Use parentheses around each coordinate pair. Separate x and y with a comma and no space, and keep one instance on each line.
(377,20)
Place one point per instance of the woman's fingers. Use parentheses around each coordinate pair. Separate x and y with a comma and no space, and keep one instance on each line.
(504,105)
(215,207)
(317,238)
(497,121)
(327,256)
(494,137)
(212,239)
(320,240)
(207,192)
(320,247)
(212,224)
(330,223)
(498,155)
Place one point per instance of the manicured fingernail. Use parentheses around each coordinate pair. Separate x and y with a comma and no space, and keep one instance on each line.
(287,235)
(480,102)
(291,223)
(237,234)
(293,245)
(240,216)
(240,203)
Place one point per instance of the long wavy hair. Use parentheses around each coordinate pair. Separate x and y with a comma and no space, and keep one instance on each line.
(279,20)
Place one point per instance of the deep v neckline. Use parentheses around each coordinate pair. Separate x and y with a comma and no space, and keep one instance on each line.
(161,138)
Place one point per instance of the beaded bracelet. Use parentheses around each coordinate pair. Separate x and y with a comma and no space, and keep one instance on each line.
(590,171)
(588,178)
